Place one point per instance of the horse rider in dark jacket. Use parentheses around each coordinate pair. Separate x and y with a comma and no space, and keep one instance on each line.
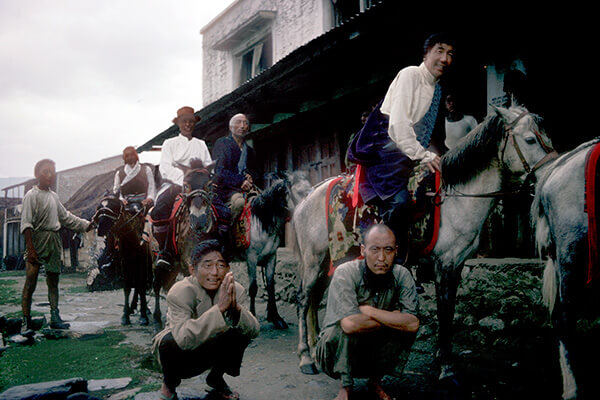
(235,170)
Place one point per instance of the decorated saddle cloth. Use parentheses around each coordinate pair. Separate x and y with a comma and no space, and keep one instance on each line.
(241,215)
(348,217)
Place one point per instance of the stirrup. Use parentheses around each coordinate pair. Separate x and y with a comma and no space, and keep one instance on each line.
(163,260)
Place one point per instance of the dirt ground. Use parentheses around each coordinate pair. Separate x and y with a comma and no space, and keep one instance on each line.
(270,366)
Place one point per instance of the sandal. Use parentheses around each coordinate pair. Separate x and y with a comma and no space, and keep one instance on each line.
(165,397)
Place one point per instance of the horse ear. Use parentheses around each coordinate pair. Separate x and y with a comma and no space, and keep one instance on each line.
(501,112)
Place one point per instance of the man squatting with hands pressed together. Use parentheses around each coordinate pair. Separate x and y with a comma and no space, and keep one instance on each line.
(208,325)
(371,318)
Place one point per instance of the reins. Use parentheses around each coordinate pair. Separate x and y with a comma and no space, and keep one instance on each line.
(551,154)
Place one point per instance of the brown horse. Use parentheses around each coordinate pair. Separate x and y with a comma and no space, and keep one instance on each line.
(122,225)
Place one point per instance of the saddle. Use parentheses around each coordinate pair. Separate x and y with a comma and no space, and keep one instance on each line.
(241,215)
(348,217)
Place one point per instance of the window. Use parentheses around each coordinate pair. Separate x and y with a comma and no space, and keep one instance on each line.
(345,9)
(255,60)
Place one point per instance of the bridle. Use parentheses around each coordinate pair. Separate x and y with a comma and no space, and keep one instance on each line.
(509,135)
(551,154)
(109,213)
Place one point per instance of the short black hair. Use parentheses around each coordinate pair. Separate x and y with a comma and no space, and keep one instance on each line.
(205,247)
(40,164)
(379,226)
(440,37)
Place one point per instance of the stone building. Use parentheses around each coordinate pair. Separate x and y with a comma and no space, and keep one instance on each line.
(304,71)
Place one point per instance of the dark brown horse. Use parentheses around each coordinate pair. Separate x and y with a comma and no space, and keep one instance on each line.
(123,225)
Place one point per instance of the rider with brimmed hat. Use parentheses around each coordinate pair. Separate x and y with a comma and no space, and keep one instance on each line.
(176,158)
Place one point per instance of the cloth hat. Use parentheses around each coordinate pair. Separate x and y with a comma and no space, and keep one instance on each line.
(184,111)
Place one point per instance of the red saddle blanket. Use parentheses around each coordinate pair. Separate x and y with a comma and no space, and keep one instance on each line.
(241,227)
(348,218)
(592,205)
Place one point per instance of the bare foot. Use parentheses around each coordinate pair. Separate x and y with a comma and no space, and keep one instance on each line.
(375,387)
(344,393)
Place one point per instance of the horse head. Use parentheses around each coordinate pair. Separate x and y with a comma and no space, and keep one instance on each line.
(107,212)
(197,186)
(300,186)
(512,137)
(291,187)
(526,147)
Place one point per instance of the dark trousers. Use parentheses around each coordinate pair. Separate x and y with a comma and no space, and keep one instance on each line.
(162,212)
(363,355)
(395,213)
(164,203)
(222,354)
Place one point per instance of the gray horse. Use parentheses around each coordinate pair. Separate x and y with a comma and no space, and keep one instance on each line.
(269,211)
(558,212)
(504,150)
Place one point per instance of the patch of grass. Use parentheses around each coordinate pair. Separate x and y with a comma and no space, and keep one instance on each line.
(19,314)
(9,294)
(96,358)
(11,274)
(77,289)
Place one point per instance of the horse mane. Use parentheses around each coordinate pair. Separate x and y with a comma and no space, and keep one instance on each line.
(110,201)
(474,153)
(270,207)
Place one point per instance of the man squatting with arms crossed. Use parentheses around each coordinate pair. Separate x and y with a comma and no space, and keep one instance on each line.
(41,218)
(371,318)
(208,325)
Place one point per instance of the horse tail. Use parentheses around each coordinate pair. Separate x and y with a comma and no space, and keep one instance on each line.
(549,285)
(544,242)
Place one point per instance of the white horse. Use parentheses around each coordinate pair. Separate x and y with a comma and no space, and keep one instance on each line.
(558,212)
(503,151)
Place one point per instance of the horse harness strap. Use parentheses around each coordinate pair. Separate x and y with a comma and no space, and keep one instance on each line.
(551,155)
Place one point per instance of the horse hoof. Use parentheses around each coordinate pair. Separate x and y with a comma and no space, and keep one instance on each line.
(448,378)
(279,324)
(309,369)
(144,320)
(125,321)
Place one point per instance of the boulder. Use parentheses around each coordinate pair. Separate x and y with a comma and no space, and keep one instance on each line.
(45,390)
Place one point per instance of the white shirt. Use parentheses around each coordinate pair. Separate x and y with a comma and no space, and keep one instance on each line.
(43,211)
(407,101)
(130,173)
(457,130)
(181,150)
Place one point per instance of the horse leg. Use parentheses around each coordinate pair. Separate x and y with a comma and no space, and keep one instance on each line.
(156,286)
(272,313)
(564,318)
(306,319)
(251,263)
(163,279)
(134,300)
(126,311)
(448,278)
(143,308)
